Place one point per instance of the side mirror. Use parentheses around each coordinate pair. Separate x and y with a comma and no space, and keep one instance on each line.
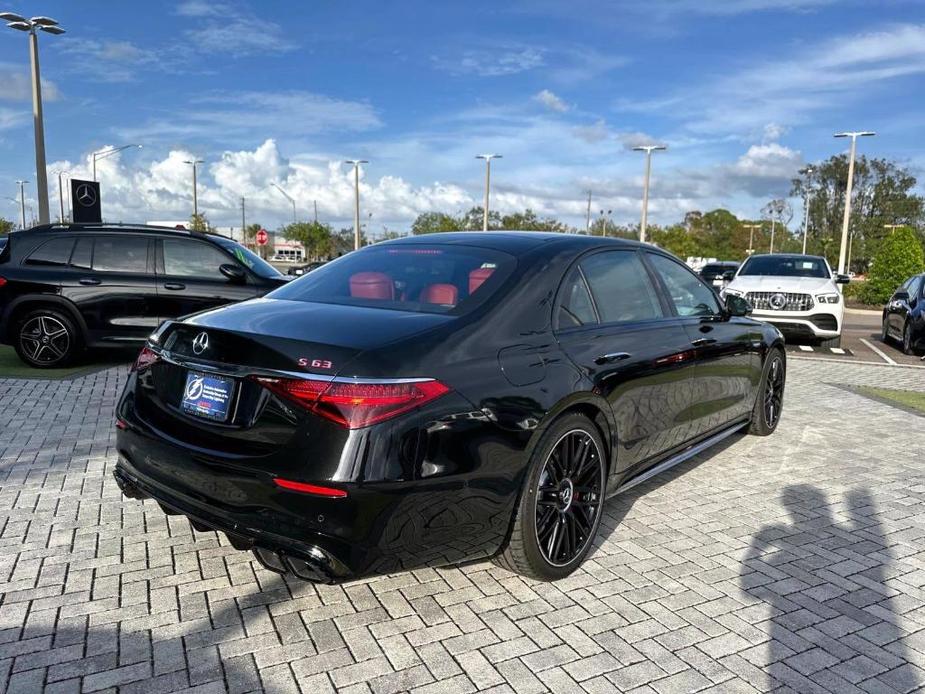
(233,272)
(737,305)
(842,279)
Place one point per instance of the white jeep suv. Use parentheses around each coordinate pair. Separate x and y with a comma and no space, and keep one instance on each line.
(798,294)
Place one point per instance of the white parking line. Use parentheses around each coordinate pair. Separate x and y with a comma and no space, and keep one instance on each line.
(886,357)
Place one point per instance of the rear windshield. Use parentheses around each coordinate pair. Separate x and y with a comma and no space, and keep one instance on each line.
(785,266)
(405,277)
(715,269)
(249,259)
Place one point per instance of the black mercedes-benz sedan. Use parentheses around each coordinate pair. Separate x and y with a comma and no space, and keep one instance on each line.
(438,399)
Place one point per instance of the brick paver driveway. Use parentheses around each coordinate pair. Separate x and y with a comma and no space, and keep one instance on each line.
(795,563)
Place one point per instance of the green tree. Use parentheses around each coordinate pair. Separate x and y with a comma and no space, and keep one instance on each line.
(198,222)
(677,239)
(250,231)
(529,221)
(473,220)
(899,256)
(6,226)
(434,222)
(316,237)
(883,193)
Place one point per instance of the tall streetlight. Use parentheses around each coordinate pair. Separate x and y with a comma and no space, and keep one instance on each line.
(103,153)
(289,198)
(194,163)
(22,203)
(751,237)
(487,158)
(50,26)
(60,193)
(356,210)
(648,149)
(842,251)
(806,199)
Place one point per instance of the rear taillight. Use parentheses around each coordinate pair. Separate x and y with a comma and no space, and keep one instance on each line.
(355,405)
(2,281)
(145,358)
(316,489)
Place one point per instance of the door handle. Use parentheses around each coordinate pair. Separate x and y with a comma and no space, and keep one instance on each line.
(612,357)
(703,342)
(89,281)
(174,285)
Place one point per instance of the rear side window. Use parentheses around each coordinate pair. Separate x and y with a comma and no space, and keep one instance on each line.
(193,259)
(406,277)
(575,308)
(52,253)
(120,254)
(621,287)
(83,253)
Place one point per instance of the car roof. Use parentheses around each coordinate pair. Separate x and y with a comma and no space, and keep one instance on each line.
(120,227)
(787,255)
(512,241)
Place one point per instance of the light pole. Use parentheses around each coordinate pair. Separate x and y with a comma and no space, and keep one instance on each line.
(806,198)
(487,158)
(588,224)
(103,153)
(844,227)
(22,203)
(289,198)
(751,237)
(648,149)
(356,209)
(48,25)
(60,194)
(194,163)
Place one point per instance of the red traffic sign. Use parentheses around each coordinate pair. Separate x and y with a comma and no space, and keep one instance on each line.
(262,237)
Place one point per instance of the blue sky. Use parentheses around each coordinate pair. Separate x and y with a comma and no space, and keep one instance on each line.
(743,92)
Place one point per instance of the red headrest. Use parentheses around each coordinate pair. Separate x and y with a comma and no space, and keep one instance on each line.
(445,294)
(478,276)
(372,285)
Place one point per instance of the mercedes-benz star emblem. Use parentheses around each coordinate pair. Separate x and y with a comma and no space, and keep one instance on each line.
(200,343)
(777,301)
(86,195)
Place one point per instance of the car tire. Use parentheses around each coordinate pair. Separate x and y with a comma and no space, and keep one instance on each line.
(831,342)
(884,331)
(560,506)
(769,402)
(47,339)
(907,339)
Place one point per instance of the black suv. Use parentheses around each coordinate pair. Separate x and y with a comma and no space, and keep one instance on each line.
(71,286)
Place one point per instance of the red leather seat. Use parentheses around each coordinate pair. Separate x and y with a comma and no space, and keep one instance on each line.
(478,276)
(372,285)
(443,294)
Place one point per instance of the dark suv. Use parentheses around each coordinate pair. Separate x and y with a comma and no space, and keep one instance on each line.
(67,287)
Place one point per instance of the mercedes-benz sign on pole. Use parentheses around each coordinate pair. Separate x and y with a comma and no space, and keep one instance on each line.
(85,199)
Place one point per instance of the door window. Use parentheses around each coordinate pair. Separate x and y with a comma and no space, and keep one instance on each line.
(621,287)
(53,253)
(83,253)
(576,308)
(691,297)
(121,254)
(193,259)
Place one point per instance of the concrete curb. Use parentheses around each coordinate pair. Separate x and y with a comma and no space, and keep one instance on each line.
(863,311)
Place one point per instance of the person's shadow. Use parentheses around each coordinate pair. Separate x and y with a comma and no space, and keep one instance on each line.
(834,618)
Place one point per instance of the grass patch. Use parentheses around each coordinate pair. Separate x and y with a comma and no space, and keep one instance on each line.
(12,367)
(906,399)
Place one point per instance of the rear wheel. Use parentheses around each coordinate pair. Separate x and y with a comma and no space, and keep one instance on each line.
(560,507)
(770,401)
(907,339)
(46,338)
(884,331)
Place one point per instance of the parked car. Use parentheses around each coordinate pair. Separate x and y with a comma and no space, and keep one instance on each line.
(299,270)
(904,315)
(429,401)
(720,273)
(67,287)
(797,293)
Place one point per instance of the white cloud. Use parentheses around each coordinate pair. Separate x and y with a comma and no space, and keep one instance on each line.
(596,132)
(221,116)
(774,132)
(491,62)
(106,60)
(637,139)
(16,84)
(551,101)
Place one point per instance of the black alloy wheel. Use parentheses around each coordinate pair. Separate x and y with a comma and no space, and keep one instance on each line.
(46,339)
(884,331)
(907,338)
(568,498)
(769,403)
(560,508)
